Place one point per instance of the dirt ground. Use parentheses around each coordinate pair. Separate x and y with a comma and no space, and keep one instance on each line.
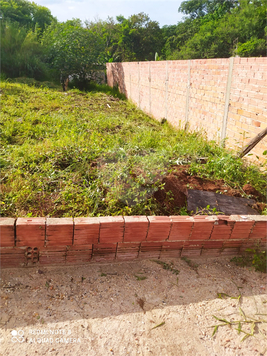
(134,308)
(180,180)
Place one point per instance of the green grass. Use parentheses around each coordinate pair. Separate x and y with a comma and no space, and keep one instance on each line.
(94,154)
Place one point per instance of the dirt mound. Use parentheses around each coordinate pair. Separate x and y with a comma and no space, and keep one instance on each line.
(249,190)
(174,194)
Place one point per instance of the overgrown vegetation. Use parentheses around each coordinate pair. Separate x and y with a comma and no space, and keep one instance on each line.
(93,154)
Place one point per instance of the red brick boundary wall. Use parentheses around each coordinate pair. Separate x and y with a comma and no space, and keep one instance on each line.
(226,97)
(66,241)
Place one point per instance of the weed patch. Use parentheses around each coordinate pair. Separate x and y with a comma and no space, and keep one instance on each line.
(140,278)
(253,257)
(167,266)
(245,325)
(190,263)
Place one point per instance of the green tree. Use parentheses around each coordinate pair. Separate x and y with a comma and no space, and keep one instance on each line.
(134,39)
(73,50)
(200,8)
(182,33)
(219,31)
(139,38)
(21,53)
(108,30)
(26,13)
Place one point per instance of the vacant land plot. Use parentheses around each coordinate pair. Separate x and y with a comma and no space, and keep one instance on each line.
(90,154)
(135,308)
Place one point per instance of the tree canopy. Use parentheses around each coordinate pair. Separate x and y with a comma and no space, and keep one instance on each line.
(73,50)
(35,44)
(26,13)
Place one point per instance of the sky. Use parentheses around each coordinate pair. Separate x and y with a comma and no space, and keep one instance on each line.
(165,12)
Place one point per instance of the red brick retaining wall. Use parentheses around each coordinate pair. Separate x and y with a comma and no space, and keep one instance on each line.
(58,241)
(226,97)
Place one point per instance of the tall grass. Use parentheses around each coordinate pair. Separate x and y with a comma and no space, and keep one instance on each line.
(91,154)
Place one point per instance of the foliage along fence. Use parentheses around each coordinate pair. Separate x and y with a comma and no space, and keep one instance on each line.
(65,241)
(226,97)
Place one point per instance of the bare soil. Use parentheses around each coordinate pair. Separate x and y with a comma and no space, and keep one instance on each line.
(133,308)
(179,181)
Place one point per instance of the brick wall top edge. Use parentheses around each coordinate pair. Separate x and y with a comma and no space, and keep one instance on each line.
(59,221)
(7,221)
(177,218)
(110,219)
(86,220)
(237,60)
(136,218)
(10,221)
(30,221)
(159,219)
(248,217)
(206,60)
(252,217)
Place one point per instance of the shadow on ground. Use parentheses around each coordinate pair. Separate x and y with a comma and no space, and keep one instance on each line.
(54,294)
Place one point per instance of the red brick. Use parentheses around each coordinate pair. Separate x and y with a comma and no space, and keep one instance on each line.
(233,243)
(193,244)
(171,249)
(127,251)
(80,247)
(159,228)
(172,245)
(214,252)
(52,255)
(7,232)
(201,234)
(104,252)
(241,229)
(170,254)
(230,251)
(86,231)
(191,252)
(79,256)
(136,228)
(52,258)
(150,250)
(111,229)
(220,232)
(30,232)
(12,257)
(259,230)
(181,228)
(32,255)
(148,246)
(223,227)
(59,231)
(212,244)
(202,228)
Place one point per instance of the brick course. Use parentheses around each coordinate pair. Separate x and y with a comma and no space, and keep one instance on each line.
(66,241)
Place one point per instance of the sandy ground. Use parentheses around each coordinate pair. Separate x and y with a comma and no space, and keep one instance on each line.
(133,308)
